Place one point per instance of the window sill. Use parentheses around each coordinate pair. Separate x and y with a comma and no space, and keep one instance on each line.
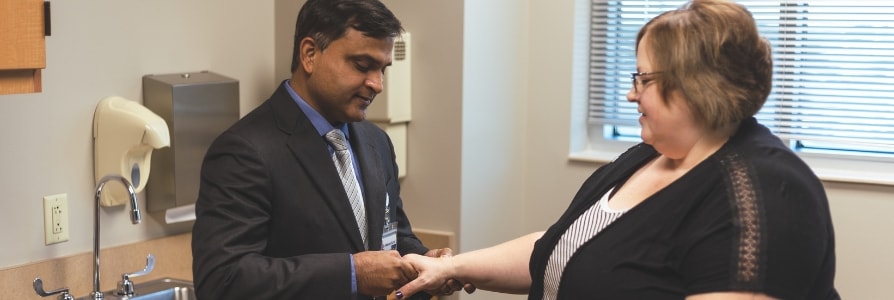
(855,171)
(863,170)
(593,156)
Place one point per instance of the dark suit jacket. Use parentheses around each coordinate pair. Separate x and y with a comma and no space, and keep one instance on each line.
(272,218)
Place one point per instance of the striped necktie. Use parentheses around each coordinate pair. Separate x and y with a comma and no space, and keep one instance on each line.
(345,166)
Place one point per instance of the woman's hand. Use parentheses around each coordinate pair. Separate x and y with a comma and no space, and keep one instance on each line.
(436,276)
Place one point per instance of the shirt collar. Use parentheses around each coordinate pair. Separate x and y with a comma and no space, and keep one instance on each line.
(320,124)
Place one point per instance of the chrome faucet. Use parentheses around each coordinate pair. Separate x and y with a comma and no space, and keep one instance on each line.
(134,217)
(63,292)
(126,285)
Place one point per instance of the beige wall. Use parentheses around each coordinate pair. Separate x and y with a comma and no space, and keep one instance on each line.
(98,49)
(501,65)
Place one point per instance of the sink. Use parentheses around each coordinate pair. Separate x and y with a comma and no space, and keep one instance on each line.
(164,289)
(159,289)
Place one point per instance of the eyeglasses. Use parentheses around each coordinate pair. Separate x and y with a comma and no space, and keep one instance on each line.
(639,83)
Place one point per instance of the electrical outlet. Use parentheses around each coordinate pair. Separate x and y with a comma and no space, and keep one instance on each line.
(55,218)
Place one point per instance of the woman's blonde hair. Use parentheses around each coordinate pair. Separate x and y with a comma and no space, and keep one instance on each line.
(710,51)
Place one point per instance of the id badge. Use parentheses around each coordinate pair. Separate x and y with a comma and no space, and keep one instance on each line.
(389,236)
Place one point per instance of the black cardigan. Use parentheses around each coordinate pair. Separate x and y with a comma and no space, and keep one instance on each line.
(751,217)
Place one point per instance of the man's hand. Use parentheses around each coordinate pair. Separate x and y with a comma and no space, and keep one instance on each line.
(380,272)
(437,253)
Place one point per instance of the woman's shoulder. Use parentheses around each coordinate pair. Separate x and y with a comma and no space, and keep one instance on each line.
(755,147)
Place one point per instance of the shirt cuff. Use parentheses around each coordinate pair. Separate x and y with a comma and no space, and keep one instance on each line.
(353,278)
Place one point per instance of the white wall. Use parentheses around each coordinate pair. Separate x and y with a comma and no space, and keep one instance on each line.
(98,49)
(862,218)
(554,111)
(495,72)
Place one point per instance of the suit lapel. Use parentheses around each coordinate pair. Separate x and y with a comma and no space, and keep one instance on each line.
(312,152)
(373,182)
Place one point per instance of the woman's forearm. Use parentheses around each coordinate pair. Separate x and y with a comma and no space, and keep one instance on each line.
(501,268)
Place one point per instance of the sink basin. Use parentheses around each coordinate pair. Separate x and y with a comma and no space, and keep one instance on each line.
(159,289)
(164,289)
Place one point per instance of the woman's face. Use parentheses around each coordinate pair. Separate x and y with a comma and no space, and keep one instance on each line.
(669,125)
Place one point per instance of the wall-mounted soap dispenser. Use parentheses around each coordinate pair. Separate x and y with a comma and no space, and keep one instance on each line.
(124,135)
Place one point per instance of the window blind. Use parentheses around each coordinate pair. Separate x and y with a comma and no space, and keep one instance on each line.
(833,82)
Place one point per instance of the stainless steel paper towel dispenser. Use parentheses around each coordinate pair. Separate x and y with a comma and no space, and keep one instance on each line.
(197,107)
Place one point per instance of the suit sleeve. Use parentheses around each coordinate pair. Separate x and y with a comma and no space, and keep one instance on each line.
(233,215)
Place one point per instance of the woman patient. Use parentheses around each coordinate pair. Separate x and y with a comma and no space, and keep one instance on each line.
(710,205)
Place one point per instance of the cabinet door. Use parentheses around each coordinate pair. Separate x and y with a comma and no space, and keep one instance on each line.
(22,45)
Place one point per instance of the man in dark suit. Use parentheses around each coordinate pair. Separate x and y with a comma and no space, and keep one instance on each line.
(273,218)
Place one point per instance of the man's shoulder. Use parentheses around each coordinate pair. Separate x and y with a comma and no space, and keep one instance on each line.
(368,129)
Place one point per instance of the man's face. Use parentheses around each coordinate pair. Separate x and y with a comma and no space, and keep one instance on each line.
(347,75)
